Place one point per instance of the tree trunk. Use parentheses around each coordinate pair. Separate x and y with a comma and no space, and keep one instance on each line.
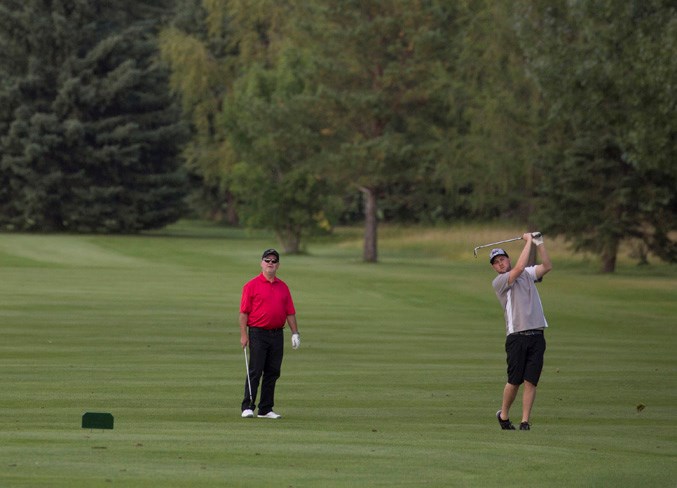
(290,239)
(608,255)
(370,225)
(231,211)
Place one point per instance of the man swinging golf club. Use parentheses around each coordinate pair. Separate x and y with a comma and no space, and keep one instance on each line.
(265,307)
(525,324)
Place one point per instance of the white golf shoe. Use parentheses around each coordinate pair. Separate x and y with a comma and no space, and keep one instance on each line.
(270,415)
(247,414)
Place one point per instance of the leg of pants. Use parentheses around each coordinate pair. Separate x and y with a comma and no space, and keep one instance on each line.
(249,402)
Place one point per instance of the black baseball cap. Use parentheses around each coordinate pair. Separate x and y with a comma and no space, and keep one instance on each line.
(268,252)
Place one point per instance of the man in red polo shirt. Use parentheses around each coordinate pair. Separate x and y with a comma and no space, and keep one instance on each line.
(265,307)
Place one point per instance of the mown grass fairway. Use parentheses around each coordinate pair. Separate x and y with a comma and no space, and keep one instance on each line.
(396,383)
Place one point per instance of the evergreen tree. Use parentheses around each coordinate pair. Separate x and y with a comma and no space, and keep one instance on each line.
(609,167)
(90,136)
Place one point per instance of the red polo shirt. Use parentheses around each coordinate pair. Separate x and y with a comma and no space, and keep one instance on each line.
(267,304)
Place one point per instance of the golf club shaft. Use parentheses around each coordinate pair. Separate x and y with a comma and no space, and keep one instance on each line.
(249,380)
(495,243)
(500,242)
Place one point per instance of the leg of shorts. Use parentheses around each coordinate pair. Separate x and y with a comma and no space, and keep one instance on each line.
(515,349)
(534,360)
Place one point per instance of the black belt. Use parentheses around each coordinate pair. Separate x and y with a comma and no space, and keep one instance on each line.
(528,333)
(265,331)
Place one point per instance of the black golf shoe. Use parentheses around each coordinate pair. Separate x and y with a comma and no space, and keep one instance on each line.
(505,424)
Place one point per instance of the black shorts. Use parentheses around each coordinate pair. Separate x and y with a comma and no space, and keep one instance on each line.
(525,357)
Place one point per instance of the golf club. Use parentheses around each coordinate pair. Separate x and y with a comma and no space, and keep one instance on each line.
(249,380)
(536,234)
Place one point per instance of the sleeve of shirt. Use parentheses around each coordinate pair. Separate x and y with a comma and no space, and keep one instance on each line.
(290,304)
(500,283)
(531,270)
(245,301)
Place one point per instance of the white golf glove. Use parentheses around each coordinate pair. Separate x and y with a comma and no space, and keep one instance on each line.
(537,238)
(295,341)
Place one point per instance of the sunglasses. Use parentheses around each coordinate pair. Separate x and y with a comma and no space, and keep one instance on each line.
(274,261)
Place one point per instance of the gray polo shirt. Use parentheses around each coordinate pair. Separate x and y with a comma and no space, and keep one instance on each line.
(521,303)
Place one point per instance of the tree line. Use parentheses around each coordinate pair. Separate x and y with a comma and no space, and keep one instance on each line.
(298,116)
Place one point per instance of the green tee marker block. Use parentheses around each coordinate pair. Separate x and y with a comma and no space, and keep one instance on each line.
(94,420)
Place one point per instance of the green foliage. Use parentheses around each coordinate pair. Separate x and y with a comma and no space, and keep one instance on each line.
(490,155)
(209,44)
(649,131)
(279,184)
(293,204)
(592,193)
(434,111)
(601,185)
(200,59)
(385,77)
(383,71)
(90,136)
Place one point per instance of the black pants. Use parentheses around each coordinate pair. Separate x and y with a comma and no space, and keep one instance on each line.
(266,348)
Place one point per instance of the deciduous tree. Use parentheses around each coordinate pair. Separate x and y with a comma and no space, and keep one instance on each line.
(385,72)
